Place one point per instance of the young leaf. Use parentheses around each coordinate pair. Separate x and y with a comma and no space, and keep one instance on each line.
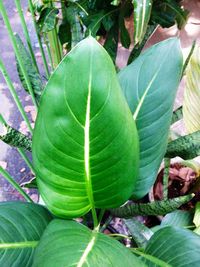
(191,113)
(177,247)
(149,85)
(47,19)
(142,12)
(35,79)
(21,227)
(186,147)
(68,243)
(83,163)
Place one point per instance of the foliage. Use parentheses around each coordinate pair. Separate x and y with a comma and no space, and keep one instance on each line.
(99,139)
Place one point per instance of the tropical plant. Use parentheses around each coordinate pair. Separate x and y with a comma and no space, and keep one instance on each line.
(98,142)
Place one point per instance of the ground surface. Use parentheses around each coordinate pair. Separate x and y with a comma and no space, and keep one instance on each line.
(9,157)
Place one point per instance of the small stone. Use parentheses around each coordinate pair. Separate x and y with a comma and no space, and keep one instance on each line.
(3,164)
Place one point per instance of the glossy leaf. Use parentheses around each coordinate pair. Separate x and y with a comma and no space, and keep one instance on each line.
(21,226)
(177,247)
(34,77)
(178,218)
(85,144)
(68,243)
(150,94)
(196,219)
(191,112)
(47,19)
(142,12)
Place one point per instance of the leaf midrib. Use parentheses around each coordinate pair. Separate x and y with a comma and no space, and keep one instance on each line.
(24,244)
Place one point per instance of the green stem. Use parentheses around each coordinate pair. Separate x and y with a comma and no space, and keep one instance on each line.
(25,30)
(166,177)
(188,58)
(95,220)
(121,236)
(14,184)
(14,95)
(48,52)
(107,222)
(17,52)
(26,159)
(151,258)
(39,39)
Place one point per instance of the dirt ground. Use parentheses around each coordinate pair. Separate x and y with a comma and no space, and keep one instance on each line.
(9,157)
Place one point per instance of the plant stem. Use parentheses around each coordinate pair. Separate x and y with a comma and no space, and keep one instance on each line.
(25,30)
(17,52)
(120,235)
(14,95)
(95,220)
(48,52)
(39,39)
(15,184)
(106,223)
(166,177)
(188,57)
(26,159)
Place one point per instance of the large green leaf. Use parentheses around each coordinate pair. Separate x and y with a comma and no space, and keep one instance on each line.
(149,85)
(177,247)
(142,12)
(21,226)
(68,243)
(85,144)
(191,112)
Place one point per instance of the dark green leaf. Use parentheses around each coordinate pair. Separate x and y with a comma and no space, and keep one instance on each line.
(21,227)
(111,43)
(149,85)
(178,218)
(68,243)
(15,138)
(47,19)
(142,12)
(140,233)
(177,247)
(34,77)
(186,147)
(161,207)
(177,115)
(124,34)
(83,102)
(72,15)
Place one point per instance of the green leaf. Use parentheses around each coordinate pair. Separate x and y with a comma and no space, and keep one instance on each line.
(142,12)
(186,147)
(111,42)
(191,113)
(47,19)
(72,15)
(177,115)
(34,77)
(196,219)
(150,94)
(15,138)
(83,163)
(177,247)
(124,34)
(140,233)
(178,218)
(161,207)
(21,227)
(68,243)
(168,12)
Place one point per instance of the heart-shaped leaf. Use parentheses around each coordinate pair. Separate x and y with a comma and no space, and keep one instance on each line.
(68,243)
(85,144)
(175,246)
(149,85)
(21,226)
